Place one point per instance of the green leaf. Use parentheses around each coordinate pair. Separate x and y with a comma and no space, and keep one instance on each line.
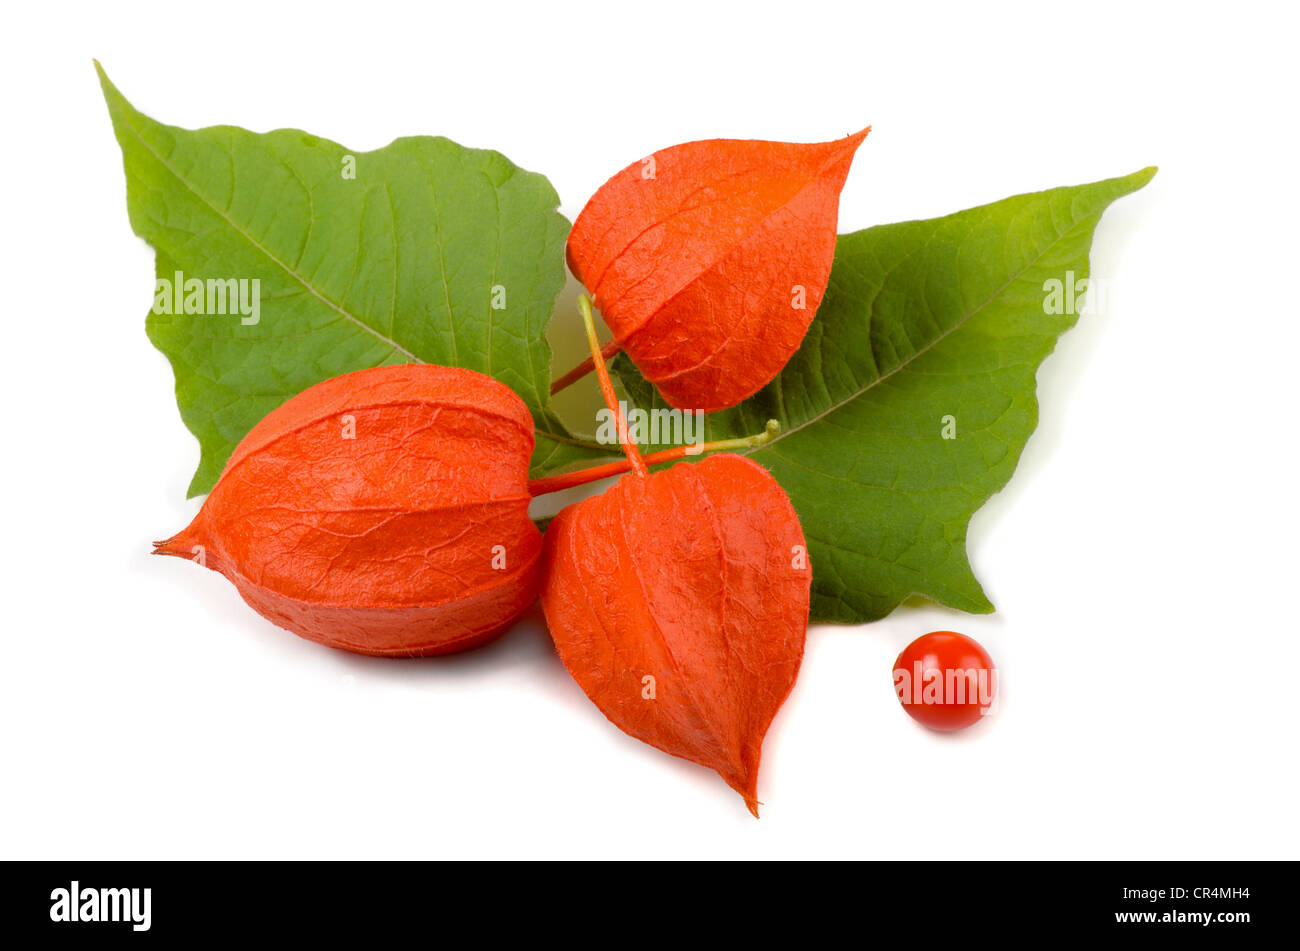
(401,263)
(921,320)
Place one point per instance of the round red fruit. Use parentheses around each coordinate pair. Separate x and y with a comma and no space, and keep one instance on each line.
(945,680)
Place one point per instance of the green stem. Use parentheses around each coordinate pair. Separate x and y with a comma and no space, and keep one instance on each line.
(607,388)
(634,462)
(568,480)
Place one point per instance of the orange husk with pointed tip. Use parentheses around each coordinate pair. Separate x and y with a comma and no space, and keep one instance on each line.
(685,576)
(708,261)
(678,600)
(381,512)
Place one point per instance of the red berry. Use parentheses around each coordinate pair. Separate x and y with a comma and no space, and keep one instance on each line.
(945,680)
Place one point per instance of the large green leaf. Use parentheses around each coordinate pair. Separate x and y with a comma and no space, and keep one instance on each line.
(921,320)
(422,251)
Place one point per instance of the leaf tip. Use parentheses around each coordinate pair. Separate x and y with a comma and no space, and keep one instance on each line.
(112,95)
(105,83)
(1138,179)
(980,603)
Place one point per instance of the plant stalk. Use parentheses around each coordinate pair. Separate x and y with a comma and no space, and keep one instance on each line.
(607,388)
(586,366)
(567,480)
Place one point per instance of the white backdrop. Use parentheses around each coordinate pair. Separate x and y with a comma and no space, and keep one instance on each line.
(1142,559)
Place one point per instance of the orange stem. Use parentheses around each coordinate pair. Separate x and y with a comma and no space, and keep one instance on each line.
(607,389)
(634,462)
(567,480)
(586,366)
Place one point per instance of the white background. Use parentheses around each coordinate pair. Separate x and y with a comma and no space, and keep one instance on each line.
(1143,558)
